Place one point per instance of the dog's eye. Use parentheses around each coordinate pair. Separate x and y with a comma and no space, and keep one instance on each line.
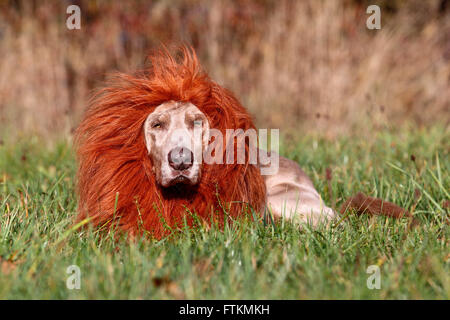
(156,125)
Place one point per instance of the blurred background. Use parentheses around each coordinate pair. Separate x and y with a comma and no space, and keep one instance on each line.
(303,66)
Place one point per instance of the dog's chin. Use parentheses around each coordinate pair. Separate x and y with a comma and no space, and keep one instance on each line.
(179,180)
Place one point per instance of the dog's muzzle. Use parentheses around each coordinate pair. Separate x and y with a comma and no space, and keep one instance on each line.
(180,158)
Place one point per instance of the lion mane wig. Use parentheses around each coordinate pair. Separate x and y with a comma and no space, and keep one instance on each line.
(115,182)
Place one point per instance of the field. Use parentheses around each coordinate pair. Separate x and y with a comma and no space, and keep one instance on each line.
(248,259)
(371,107)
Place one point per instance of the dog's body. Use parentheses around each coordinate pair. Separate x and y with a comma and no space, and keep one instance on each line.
(291,195)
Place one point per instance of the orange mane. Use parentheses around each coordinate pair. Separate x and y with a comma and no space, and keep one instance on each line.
(115,179)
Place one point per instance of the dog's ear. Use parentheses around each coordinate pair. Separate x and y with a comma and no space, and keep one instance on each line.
(147,137)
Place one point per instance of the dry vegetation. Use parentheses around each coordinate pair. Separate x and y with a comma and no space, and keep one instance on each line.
(300,64)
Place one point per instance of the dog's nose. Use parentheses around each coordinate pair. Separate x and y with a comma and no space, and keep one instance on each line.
(180,158)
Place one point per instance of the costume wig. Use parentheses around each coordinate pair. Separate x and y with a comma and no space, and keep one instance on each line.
(115,181)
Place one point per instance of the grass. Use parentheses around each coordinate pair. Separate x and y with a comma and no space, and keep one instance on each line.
(248,260)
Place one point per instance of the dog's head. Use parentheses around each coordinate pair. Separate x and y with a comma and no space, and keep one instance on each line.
(175,135)
(145,133)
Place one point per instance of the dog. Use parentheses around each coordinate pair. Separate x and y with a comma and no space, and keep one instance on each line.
(151,157)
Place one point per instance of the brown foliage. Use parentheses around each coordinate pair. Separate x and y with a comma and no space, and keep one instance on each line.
(304,66)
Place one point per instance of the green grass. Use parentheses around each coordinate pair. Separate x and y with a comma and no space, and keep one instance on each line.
(248,260)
